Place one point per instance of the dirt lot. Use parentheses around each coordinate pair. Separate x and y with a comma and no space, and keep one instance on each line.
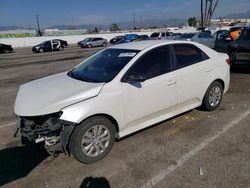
(195,149)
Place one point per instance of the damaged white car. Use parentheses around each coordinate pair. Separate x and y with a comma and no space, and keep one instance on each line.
(118,91)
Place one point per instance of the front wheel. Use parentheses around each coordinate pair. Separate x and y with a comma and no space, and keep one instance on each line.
(41,50)
(213,96)
(92,140)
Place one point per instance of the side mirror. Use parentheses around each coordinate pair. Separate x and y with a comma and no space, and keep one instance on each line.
(135,77)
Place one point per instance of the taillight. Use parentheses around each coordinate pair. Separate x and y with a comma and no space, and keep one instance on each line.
(228,61)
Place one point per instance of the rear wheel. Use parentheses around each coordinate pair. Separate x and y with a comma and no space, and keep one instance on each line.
(92,140)
(6,51)
(104,44)
(60,48)
(213,96)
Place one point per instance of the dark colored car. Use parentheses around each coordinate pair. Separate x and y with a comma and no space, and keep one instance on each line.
(223,38)
(128,38)
(116,39)
(239,50)
(63,42)
(48,46)
(4,48)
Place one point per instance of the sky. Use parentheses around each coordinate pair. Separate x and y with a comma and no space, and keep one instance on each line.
(63,12)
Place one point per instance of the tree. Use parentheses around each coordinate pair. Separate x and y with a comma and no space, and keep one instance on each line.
(207,14)
(192,21)
(114,27)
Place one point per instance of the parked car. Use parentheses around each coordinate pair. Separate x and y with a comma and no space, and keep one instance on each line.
(48,46)
(161,35)
(118,91)
(5,48)
(202,37)
(128,38)
(223,38)
(116,39)
(92,42)
(63,42)
(239,50)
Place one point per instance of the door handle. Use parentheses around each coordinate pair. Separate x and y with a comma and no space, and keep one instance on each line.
(171,82)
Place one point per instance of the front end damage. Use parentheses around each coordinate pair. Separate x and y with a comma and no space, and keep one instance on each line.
(47,129)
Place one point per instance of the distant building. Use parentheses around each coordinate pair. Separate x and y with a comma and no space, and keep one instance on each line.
(229,22)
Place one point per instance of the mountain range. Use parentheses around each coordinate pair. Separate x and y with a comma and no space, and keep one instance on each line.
(129,25)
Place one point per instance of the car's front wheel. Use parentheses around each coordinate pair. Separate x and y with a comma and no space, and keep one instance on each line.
(41,50)
(92,140)
(213,96)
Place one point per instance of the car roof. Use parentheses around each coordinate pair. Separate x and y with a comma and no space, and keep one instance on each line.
(146,44)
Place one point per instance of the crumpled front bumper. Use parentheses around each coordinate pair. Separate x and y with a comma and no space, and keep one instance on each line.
(49,129)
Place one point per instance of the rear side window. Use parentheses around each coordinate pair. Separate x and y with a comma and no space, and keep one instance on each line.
(154,63)
(155,35)
(188,54)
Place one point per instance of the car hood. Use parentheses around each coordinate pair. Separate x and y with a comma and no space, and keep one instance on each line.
(51,94)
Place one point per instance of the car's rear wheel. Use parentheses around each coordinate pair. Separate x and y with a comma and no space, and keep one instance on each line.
(104,44)
(92,140)
(213,96)
(6,51)
(41,50)
(60,48)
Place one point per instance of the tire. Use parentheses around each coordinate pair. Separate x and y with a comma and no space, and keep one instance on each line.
(89,150)
(213,96)
(89,46)
(41,50)
(104,44)
(6,51)
(60,48)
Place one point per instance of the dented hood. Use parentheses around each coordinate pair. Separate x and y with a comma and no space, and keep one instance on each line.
(51,94)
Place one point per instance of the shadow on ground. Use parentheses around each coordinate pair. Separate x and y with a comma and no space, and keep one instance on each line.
(17,162)
(91,182)
(241,69)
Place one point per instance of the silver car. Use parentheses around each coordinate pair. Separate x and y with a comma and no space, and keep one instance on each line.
(204,38)
(93,42)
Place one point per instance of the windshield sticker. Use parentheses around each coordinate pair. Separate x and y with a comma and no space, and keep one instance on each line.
(127,54)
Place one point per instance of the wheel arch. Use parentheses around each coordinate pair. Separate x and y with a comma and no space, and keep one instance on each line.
(111,118)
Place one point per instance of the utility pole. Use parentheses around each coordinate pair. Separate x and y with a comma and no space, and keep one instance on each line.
(141,22)
(134,21)
(38,26)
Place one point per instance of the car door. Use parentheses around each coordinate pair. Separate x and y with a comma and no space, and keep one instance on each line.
(193,69)
(155,96)
(94,42)
(222,39)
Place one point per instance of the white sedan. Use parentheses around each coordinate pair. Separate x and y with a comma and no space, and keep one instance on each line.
(118,91)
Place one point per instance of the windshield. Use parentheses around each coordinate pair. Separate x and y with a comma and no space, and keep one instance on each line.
(104,66)
(245,35)
(187,35)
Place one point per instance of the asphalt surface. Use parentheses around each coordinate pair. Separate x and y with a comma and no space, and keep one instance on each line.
(195,149)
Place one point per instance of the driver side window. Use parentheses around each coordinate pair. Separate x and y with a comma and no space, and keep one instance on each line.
(154,63)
